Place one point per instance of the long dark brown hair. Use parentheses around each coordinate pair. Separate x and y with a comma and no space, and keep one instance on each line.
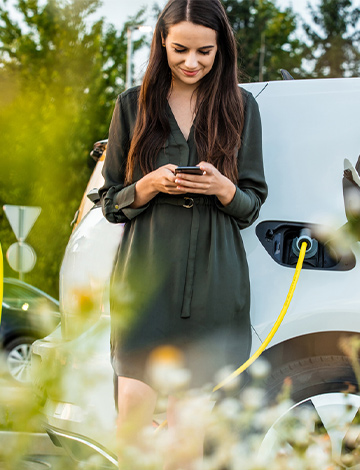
(219,105)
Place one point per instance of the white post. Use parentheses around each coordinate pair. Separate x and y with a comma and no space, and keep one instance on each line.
(129,59)
(262,57)
(19,253)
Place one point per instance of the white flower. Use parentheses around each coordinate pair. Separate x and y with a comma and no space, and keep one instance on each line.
(318,455)
(253,398)
(352,436)
(229,408)
(260,369)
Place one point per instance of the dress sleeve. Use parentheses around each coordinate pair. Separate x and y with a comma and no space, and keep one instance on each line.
(251,190)
(115,196)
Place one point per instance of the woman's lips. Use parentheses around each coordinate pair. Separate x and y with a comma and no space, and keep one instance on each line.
(190,73)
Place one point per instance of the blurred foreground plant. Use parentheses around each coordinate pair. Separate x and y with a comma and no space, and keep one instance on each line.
(242,429)
(19,414)
(236,421)
(60,73)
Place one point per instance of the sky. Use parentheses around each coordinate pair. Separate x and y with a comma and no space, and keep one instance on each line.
(116,11)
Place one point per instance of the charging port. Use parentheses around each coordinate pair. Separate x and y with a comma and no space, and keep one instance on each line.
(282,240)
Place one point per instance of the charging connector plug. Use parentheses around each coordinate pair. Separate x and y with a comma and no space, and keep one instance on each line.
(312,244)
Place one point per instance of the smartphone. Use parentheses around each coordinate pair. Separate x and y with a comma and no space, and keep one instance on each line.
(190,170)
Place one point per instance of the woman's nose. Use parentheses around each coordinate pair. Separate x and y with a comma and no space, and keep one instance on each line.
(191,60)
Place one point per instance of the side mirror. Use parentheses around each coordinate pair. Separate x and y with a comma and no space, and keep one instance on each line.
(98,149)
(286,75)
(351,192)
(93,195)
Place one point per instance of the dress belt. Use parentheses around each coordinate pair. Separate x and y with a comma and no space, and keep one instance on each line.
(185,201)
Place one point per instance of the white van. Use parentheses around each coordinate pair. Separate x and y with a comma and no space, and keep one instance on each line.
(309,128)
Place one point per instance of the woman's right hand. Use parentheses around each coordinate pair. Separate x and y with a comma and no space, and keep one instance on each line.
(161,180)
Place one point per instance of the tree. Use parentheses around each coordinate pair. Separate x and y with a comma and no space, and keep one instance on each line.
(266,38)
(59,76)
(335,40)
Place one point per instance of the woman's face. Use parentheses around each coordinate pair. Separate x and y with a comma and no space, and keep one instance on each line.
(191,51)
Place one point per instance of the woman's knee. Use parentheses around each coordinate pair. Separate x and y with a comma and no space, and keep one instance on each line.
(132,393)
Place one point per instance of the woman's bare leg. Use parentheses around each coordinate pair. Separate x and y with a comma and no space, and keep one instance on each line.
(187,427)
(136,405)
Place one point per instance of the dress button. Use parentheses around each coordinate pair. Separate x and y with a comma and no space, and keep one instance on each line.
(116,207)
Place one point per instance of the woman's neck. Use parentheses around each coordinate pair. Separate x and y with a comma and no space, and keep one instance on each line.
(182,101)
(183,89)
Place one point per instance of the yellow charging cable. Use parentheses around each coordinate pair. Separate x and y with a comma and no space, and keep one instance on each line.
(1,280)
(273,330)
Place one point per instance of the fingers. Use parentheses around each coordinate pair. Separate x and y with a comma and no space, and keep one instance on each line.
(168,171)
(165,180)
(193,183)
(208,183)
(184,182)
(177,191)
(207,167)
(170,167)
(189,179)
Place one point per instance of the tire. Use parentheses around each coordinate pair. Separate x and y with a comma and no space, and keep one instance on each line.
(316,384)
(313,376)
(18,358)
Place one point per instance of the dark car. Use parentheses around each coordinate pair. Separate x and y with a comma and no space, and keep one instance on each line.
(27,314)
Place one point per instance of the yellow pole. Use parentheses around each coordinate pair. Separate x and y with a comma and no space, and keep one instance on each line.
(1,280)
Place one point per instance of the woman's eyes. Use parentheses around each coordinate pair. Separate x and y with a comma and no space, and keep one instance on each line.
(180,51)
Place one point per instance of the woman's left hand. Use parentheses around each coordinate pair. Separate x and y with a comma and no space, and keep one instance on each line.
(211,182)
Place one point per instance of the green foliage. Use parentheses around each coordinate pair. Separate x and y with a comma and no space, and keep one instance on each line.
(335,40)
(266,39)
(59,77)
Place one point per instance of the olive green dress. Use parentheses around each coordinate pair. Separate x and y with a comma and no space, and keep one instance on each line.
(180,276)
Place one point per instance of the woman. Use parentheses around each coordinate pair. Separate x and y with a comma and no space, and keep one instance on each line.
(181,275)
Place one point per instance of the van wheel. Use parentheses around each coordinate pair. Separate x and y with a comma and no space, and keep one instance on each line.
(327,418)
(19,358)
(317,391)
(313,376)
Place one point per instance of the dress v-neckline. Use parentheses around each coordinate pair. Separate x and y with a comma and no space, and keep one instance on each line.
(177,127)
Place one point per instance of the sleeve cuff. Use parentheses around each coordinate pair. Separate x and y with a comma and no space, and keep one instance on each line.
(241,207)
(124,199)
(240,204)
